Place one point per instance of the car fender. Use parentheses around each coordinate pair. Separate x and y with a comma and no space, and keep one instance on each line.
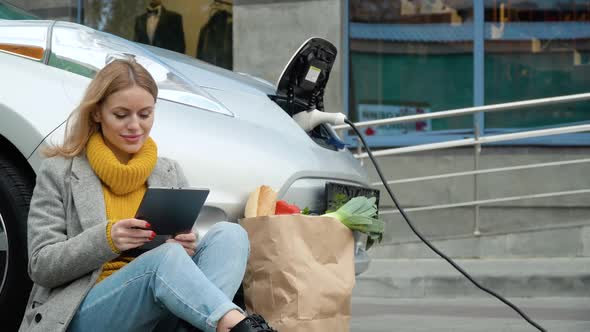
(23,122)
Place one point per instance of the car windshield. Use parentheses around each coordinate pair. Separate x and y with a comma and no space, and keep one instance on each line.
(85,51)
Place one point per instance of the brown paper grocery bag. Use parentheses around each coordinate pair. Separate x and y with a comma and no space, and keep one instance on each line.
(300,273)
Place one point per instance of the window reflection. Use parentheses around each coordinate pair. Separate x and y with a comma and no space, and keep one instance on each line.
(10,12)
(201,29)
(536,49)
(411,57)
(62,10)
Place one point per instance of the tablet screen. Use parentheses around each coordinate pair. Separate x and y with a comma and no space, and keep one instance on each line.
(171,210)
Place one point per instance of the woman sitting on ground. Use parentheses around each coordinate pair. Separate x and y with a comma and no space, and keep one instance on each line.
(81,222)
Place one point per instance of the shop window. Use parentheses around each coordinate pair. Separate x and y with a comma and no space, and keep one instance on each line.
(197,28)
(536,49)
(411,57)
(11,12)
(62,10)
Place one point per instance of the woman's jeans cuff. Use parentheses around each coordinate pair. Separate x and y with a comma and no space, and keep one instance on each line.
(218,313)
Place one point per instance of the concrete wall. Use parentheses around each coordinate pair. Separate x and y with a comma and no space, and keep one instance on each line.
(493,185)
(267,33)
(499,221)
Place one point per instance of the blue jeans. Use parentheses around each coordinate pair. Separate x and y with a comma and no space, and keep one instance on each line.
(165,282)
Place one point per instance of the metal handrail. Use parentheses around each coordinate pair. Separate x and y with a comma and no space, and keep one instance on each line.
(477,142)
(472,110)
(490,201)
(485,171)
(481,140)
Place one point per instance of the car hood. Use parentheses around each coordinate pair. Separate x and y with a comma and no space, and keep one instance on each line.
(209,76)
(233,156)
(245,96)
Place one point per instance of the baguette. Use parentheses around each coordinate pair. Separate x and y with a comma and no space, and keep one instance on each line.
(261,202)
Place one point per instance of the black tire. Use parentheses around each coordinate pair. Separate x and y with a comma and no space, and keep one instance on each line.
(16,189)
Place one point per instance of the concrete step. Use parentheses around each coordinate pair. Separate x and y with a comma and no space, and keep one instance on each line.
(435,278)
(565,241)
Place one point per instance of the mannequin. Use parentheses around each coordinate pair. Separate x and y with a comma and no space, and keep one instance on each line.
(215,44)
(160,27)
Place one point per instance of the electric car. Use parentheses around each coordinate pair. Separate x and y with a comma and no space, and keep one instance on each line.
(230,132)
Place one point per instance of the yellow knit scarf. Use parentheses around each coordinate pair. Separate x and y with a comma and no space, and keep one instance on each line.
(121,178)
(123,186)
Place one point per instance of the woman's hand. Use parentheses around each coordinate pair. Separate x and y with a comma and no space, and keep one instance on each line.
(128,234)
(188,242)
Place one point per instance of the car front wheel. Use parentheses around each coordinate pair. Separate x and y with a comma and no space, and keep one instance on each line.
(15,195)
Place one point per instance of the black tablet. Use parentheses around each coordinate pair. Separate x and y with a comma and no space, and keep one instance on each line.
(170,211)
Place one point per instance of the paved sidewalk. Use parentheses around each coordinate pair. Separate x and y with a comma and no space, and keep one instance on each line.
(468,315)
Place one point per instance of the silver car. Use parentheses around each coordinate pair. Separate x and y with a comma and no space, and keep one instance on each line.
(227,130)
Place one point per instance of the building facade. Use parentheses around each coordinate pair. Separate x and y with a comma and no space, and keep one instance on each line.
(396,57)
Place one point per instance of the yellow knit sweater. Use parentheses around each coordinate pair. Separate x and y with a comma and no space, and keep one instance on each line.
(123,186)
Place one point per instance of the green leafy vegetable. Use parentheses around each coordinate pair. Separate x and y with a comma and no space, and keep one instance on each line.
(360,214)
(337,202)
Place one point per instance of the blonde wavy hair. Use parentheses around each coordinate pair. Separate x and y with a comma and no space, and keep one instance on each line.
(115,76)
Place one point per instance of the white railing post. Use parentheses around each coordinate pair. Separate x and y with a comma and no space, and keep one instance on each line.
(477,153)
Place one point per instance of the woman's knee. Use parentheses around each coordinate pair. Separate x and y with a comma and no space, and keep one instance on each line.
(232,233)
(164,251)
(171,247)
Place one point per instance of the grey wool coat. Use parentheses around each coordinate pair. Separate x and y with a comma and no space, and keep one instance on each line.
(67,237)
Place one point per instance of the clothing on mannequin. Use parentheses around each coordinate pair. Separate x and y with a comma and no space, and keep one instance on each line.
(215,44)
(160,27)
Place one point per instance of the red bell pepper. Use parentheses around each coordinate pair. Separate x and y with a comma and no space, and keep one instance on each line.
(283,207)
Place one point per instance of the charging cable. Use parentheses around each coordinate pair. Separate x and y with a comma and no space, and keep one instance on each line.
(430,245)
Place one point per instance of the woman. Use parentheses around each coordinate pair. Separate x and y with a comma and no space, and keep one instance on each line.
(81,221)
